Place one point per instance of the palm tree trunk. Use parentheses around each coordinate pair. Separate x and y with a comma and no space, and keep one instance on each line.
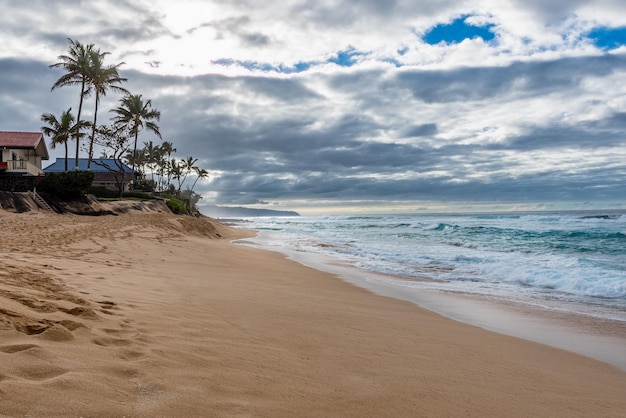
(65,143)
(132,174)
(93,132)
(77,137)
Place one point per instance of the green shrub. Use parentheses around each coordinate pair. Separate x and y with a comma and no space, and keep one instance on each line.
(144,185)
(103,193)
(137,195)
(71,183)
(176,205)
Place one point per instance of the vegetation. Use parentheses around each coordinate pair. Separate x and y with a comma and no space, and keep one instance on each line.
(76,65)
(134,114)
(101,78)
(85,66)
(72,183)
(61,130)
(176,205)
(105,193)
(117,141)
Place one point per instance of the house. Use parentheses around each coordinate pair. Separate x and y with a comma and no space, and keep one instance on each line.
(105,171)
(22,153)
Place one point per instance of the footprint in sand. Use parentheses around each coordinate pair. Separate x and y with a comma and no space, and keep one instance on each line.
(129,354)
(57,333)
(71,325)
(120,332)
(30,328)
(116,342)
(81,312)
(106,307)
(39,372)
(16,348)
(124,372)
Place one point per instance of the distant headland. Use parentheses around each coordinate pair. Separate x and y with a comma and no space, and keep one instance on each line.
(228,212)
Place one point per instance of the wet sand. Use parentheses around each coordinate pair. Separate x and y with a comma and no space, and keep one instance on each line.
(149,315)
(600,338)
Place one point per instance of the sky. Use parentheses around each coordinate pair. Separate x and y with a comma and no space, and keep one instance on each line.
(353,106)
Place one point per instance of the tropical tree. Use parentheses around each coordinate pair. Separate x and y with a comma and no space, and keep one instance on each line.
(185,168)
(101,78)
(175,172)
(135,114)
(167,148)
(152,154)
(61,130)
(191,198)
(201,173)
(117,141)
(76,64)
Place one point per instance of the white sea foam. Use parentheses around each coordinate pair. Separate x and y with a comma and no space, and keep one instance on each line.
(574,261)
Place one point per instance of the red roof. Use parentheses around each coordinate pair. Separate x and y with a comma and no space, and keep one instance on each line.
(25,140)
(20,139)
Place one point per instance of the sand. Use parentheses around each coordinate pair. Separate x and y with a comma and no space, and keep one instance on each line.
(152,315)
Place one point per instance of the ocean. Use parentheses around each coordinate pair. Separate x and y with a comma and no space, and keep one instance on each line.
(568,262)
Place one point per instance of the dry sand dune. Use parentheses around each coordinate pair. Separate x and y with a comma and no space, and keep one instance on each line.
(56,336)
(153,315)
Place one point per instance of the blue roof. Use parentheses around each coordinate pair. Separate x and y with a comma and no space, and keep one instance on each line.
(98,165)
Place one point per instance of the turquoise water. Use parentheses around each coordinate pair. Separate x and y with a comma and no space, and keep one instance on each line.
(573,261)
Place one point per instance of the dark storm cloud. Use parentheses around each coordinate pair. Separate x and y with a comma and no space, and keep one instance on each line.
(427,129)
(238,27)
(265,158)
(527,78)
(25,94)
(583,136)
(550,186)
(132,22)
(282,89)
(345,13)
(292,149)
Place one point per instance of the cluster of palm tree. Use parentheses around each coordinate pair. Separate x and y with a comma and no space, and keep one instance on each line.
(85,66)
(164,168)
(62,129)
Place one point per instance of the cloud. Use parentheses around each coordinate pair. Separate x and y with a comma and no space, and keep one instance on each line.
(333,101)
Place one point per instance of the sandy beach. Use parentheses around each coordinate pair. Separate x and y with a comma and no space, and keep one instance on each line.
(154,315)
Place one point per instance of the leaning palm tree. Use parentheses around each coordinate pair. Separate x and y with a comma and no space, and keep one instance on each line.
(201,173)
(175,172)
(101,78)
(186,167)
(138,159)
(166,148)
(76,64)
(152,156)
(61,130)
(135,114)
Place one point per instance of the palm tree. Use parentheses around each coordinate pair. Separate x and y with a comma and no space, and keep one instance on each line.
(76,64)
(137,159)
(167,148)
(136,114)
(152,156)
(201,173)
(60,131)
(175,172)
(100,79)
(186,167)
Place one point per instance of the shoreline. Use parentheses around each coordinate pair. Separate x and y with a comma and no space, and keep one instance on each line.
(157,315)
(594,337)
